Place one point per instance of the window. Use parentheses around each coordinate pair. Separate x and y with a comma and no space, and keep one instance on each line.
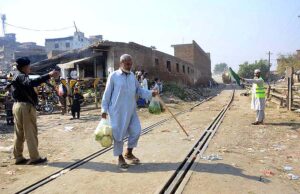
(67,44)
(183,68)
(169,66)
(156,61)
(177,67)
(56,45)
(188,70)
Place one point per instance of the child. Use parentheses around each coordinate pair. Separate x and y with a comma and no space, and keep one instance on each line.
(77,99)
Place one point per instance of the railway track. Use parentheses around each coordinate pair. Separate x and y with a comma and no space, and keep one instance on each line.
(177,181)
(82,161)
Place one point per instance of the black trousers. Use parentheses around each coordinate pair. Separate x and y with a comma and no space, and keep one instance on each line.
(74,113)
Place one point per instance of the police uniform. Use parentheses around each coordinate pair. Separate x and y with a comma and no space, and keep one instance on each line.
(24,112)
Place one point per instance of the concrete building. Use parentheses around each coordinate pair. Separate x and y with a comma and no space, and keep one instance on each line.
(31,50)
(189,67)
(10,50)
(8,45)
(77,41)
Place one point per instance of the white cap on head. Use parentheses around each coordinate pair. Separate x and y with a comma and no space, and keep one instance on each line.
(256,71)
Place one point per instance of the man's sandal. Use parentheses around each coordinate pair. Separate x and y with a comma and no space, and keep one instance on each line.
(132,159)
(123,165)
(256,123)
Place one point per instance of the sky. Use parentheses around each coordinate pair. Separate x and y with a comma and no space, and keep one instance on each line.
(233,31)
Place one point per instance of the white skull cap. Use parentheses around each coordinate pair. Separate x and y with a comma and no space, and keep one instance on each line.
(256,71)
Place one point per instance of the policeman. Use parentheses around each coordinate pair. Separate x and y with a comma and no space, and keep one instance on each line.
(25,113)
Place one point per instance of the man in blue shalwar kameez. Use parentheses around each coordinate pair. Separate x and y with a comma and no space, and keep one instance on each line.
(119,102)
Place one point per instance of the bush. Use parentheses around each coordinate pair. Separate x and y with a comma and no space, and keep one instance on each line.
(175,90)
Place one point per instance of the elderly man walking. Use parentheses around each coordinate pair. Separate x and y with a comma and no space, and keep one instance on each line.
(119,102)
(258,96)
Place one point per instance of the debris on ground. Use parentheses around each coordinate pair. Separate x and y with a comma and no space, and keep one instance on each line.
(287,168)
(212,157)
(68,128)
(293,177)
(7,149)
(11,172)
(268,172)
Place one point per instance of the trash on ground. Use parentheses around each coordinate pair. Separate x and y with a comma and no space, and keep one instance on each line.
(11,172)
(278,147)
(212,157)
(7,149)
(268,172)
(293,177)
(68,128)
(287,168)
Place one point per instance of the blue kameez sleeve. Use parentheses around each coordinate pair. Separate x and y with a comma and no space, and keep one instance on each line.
(143,93)
(107,94)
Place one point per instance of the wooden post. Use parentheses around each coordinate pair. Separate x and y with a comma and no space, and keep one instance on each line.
(95,84)
(96,92)
(269,91)
(289,72)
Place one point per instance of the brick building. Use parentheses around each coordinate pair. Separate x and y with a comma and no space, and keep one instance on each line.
(190,65)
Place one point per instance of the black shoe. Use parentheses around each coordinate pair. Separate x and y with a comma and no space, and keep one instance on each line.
(39,161)
(21,162)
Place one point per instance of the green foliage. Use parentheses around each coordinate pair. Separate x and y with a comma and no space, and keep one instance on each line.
(220,68)
(175,90)
(246,69)
(287,61)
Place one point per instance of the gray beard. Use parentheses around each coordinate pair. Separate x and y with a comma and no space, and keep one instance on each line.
(125,70)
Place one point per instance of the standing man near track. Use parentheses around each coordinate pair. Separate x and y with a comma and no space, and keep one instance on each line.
(119,102)
(258,102)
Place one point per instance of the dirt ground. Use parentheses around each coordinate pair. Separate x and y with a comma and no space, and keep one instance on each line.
(246,151)
(253,157)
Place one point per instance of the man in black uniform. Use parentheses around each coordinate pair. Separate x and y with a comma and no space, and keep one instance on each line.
(25,113)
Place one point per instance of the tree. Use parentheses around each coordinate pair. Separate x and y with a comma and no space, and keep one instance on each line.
(287,61)
(246,70)
(220,68)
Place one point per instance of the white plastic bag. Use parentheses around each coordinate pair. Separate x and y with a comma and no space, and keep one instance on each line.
(103,133)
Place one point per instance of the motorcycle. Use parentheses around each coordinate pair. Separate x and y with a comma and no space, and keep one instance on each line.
(45,106)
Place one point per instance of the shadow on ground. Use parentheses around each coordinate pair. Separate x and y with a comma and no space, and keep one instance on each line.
(294,126)
(213,168)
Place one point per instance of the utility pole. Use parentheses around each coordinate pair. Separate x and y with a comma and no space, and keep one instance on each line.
(3,18)
(269,66)
(75,27)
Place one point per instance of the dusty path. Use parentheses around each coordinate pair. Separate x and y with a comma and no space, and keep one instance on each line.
(160,152)
(250,152)
(156,150)
(62,148)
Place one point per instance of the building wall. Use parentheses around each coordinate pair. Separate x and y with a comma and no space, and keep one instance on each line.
(194,54)
(76,41)
(144,58)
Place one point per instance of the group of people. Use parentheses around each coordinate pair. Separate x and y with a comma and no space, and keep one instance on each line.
(69,93)
(118,105)
(142,78)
